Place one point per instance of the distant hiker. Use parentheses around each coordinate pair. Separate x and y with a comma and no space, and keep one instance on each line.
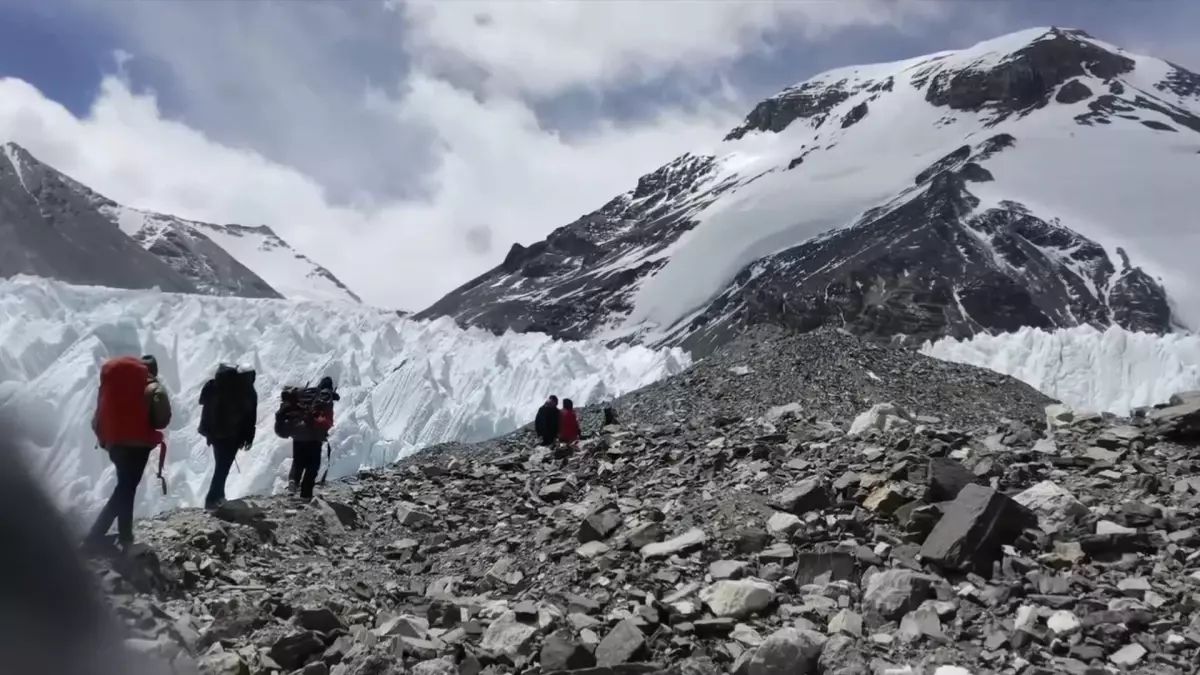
(568,423)
(228,414)
(610,415)
(305,415)
(132,409)
(546,422)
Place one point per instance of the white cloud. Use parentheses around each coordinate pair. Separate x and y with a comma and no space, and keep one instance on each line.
(501,173)
(283,105)
(541,47)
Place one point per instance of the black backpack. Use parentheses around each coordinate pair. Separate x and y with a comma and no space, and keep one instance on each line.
(307,409)
(228,405)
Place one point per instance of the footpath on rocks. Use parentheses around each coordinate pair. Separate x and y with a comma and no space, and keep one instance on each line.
(800,504)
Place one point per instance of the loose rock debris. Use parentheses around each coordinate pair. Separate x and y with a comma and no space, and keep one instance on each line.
(732,525)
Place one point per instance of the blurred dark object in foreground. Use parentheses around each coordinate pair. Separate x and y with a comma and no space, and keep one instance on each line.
(52,619)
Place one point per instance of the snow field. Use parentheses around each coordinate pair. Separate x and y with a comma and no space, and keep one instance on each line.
(404,384)
(1114,370)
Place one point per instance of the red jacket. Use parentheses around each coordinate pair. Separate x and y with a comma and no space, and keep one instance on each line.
(568,426)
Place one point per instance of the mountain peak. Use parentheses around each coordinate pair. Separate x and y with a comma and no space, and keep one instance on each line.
(965,191)
(1006,75)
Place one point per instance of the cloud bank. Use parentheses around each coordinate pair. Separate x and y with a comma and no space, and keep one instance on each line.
(407,145)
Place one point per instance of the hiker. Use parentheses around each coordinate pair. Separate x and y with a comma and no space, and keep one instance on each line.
(610,416)
(132,409)
(568,424)
(305,415)
(228,413)
(546,422)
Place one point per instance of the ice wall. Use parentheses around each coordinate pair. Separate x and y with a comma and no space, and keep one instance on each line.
(1109,371)
(404,384)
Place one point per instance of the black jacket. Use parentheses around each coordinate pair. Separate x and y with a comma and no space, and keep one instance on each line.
(546,422)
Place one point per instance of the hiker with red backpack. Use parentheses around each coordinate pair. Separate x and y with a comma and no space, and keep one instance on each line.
(132,409)
(228,415)
(305,415)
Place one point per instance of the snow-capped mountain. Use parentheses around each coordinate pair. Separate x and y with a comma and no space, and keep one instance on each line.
(63,229)
(1005,185)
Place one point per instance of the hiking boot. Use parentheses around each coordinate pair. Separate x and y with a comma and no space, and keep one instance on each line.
(293,487)
(214,504)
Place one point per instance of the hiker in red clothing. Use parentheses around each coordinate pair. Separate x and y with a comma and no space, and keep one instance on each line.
(568,424)
(132,409)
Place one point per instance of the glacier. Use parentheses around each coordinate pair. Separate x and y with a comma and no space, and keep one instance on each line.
(404,384)
(1113,370)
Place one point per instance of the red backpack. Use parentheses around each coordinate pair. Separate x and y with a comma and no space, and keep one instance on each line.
(122,410)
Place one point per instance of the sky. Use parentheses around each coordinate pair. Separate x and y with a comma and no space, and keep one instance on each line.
(407,144)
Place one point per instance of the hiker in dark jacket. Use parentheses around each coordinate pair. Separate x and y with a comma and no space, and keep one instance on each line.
(546,422)
(307,440)
(229,411)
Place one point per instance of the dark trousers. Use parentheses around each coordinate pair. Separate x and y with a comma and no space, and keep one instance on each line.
(306,462)
(549,440)
(130,463)
(224,452)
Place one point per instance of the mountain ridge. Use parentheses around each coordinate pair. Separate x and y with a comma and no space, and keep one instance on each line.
(961,134)
(199,257)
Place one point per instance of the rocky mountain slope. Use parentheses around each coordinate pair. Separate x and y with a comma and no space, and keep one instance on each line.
(290,273)
(64,230)
(50,229)
(805,504)
(1009,184)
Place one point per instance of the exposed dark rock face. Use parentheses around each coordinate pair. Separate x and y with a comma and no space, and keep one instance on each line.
(1026,80)
(797,503)
(1073,92)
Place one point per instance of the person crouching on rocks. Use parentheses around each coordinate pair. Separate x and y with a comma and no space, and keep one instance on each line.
(545,425)
(568,425)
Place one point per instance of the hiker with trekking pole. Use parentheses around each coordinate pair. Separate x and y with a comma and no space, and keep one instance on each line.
(132,409)
(305,415)
(228,416)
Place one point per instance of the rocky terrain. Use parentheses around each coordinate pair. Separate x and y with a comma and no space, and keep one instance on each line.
(883,198)
(804,504)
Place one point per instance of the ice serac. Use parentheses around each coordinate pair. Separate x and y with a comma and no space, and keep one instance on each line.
(1113,370)
(1029,180)
(404,384)
(51,229)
